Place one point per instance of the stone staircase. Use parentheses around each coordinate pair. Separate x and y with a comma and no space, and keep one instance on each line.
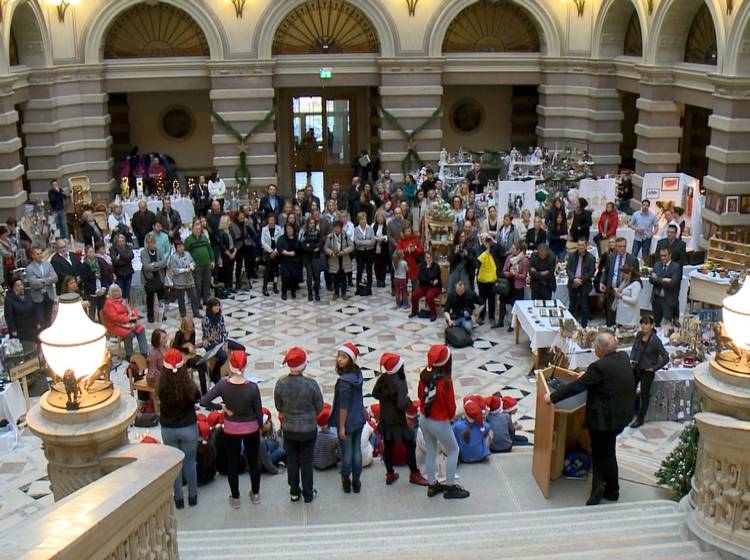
(652,530)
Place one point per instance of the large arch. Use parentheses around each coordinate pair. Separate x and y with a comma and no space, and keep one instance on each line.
(737,61)
(25,23)
(547,27)
(492,27)
(611,25)
(93,35)
(276,12)
(671,26)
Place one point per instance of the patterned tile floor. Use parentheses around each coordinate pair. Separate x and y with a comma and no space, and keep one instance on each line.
(268,326)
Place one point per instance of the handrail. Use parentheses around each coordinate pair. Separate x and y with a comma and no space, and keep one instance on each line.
(128,513)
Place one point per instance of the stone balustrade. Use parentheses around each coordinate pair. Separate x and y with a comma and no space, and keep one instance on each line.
(128,513)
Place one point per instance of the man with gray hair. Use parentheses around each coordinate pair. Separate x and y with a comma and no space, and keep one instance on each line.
(609,407)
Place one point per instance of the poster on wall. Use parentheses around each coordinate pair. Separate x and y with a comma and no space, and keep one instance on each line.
(652,193)
(597,192)
(513,197)
(670,184)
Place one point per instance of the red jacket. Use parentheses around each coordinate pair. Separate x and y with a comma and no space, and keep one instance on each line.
(519,279)
(411,257)
(444,405)
(614,221)
(115,318)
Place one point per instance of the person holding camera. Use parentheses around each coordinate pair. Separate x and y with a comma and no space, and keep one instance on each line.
(461,308)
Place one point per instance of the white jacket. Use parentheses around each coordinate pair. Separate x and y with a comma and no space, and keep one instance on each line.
(217,190)
(265,237)
(628,307)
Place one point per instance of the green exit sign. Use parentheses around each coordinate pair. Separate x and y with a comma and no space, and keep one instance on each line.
(326,73)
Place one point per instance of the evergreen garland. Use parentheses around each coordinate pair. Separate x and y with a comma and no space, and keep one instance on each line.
(677,469)
(411,154)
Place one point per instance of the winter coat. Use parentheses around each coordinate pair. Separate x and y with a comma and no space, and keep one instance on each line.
(393,393)
(115,318)
(148,268)
(290,267)
(346,248)
(412,258)
(348,395)
(122,260)
(20,315)
(180,268)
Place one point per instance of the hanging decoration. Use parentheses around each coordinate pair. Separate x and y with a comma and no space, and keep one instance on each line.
(242,173)
(412,155)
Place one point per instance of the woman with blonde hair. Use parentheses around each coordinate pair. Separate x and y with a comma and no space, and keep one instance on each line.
(228,253)
(464,193)
(184,341)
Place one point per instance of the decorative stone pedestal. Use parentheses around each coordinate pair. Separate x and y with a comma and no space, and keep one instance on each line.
(74,441)
(720,494)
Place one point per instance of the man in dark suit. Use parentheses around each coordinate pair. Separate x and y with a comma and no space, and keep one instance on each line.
(271,203)
(666,281)
(609,407)
(170,219)
(142,222)
(64,263)
(542,271)
(477,178)
(675,245)
(308,199)
(581,267)
(612,275)
(536,235)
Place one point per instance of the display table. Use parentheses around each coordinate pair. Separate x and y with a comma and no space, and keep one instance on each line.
(707,288)
(183,205)
(539,330)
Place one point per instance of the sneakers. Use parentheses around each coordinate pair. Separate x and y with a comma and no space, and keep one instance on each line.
(234,502)
(255,498)
(434,489)
(294,497)
(455,492)
(418,479)
(390,478)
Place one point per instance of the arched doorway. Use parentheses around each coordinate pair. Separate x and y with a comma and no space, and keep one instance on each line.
(157,115)
(322,127)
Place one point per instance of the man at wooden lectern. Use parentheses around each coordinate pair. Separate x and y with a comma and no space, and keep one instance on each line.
(609,408)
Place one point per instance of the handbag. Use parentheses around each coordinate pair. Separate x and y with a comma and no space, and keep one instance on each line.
(502,287)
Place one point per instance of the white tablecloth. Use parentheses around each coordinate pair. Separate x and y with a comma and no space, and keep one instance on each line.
(541,334)
(12,407)
(183,205)
(716,279)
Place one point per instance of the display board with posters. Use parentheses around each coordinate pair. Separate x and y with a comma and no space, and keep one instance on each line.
(598,192)
(670,190)
(513,197)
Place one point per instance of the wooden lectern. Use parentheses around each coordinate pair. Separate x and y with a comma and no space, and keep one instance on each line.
(557,428)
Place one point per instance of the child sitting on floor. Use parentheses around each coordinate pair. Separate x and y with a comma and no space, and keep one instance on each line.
(272,454)
(510,405)
(327,451)
(473,440)
(500,425)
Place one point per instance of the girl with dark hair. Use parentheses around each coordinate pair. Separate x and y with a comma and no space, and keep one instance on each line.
(216,188)
(20,315)
(410,189)
(516,269)
(558,236)
(215,336)
(313,244)
(647,356)
(438,407)
(392,391)
(184,341)
(348,415)
(580,227)
(155,358)
(177,396)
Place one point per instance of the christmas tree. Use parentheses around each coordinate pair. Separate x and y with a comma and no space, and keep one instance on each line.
(678,467)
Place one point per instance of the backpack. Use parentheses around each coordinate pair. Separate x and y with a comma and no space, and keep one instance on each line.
(457,337)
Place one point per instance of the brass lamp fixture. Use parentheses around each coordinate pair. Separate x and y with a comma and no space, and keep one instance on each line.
(580,5)
(75,349)
(239,7)
(733,351)
(412,6)
(62,7)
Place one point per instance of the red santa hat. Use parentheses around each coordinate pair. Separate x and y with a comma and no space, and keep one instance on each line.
(204,430)
(351,350)
(149,439)
(473,411)
(173,360)
(237,362)
(438,355)
(324,415)
(477,398)
(411,412)
(391,363)
(510,404)
(494,403)
(375,410)
(295,359)
(266,415)
(215,417)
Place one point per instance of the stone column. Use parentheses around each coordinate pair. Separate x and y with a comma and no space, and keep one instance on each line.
(658,129)
(12,195)
(243,94)
(66,125)
(729,154)
(580,107)
(410,90)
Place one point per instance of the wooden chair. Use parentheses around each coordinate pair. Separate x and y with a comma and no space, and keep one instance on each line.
(101,220)
(141,384)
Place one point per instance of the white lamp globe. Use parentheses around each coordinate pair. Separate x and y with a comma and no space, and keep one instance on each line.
(736,314)
(73,341)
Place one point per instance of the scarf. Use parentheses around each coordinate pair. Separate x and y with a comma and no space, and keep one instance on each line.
(93,265)
(514,260)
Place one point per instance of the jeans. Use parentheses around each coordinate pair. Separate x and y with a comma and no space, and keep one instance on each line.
(202,278)
(62,223)
(299,449)
(142,343)
(125,282)
(192,296)
(580,296)
(646,379)
(351,454)
(644,247)
(435,431)
(186,440)
(604,461)
(464,323)
(250,443)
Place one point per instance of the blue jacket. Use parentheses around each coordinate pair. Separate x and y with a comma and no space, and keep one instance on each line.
(502,431)
(476,449)
(348,395)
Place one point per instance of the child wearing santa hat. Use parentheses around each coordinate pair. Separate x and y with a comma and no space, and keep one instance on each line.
(243,419)
(327,451)
(177,396)
(500,425)
(272,452)
(299,400)
(393,393)
(470,433)
(348,415)
(438,407)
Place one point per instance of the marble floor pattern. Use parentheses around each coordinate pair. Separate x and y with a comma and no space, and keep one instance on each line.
(268,326)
